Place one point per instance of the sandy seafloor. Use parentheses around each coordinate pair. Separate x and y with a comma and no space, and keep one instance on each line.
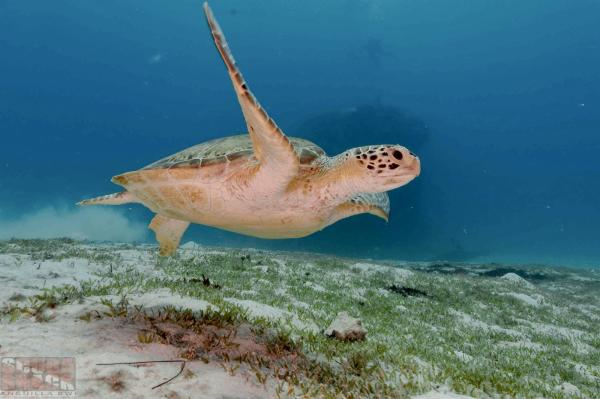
(434,330)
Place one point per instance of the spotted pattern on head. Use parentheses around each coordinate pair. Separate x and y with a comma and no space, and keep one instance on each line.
(378,158)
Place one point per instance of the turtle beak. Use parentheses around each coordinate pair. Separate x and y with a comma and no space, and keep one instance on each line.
(415,166)
(411,167)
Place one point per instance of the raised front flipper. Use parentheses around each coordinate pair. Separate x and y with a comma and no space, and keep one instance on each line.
(168,233)
(377,204)
(277,157)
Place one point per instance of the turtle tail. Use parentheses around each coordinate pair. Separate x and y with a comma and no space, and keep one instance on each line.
(124,197)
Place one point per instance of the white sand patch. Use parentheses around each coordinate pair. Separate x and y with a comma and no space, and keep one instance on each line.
(441,395)
(7,260)
(478,324)
(582,347)
(358,293)
(315,286)
(115,340)
(151,301)
(257,309)
(422,364)
(371,268)
(549,329)
(261,281)
(26,277)
(191,245)
(133,256)
(517,280)
(343,276)
(300,304)
(401,274)
(529,300)
(191,249)
(568,389)
(320,313)
(142,261)
(522,344)
(571,334)
(163,297)
(559,311)
(591,311)
(590,373)
(261,268)
(577,277)
(342,280)
(21,275)
(442,392)
(463,357)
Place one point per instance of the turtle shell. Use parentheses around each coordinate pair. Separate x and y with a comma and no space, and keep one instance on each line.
(227,149)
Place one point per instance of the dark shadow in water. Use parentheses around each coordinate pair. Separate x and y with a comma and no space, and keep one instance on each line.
(373,50)
(458,252)
(364,125)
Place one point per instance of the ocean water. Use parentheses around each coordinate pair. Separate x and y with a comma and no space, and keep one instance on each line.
(500,100)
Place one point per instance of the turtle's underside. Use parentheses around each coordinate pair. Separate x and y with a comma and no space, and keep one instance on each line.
(263,183)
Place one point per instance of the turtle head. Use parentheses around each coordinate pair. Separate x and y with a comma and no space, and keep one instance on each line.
(383,167)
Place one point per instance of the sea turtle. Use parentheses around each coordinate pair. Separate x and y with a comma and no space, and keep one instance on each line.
(263,183)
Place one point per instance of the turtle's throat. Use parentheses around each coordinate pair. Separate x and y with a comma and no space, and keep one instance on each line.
(344,179)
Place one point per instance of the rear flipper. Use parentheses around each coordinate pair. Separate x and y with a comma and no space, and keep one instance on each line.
(124,197)
(168,233)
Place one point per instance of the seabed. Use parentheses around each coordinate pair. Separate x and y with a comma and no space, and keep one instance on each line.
(249,324)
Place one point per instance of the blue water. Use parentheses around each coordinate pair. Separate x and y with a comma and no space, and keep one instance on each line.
(501,101)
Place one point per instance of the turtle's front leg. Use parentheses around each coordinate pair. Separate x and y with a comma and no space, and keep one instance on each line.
(168,233)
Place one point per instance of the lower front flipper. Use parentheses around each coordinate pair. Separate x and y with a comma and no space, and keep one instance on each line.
(168,233)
